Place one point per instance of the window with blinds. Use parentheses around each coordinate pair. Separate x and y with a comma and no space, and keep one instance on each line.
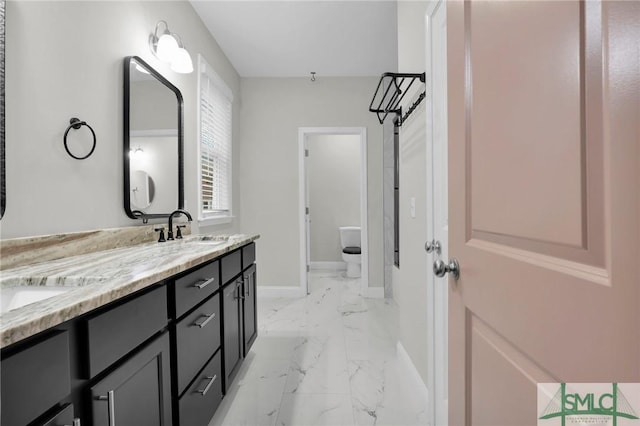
(215,111)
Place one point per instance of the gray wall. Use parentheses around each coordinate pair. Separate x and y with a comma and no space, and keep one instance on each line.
(410,280)
(272,111)
(333,170)
(65,59)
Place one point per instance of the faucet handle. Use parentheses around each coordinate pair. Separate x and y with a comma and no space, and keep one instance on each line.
(161,237)
(179,232)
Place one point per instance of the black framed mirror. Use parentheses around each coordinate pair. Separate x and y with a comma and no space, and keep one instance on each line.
(153,143)
(3,175)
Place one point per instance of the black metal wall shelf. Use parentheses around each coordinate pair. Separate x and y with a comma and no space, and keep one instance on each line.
(390,92)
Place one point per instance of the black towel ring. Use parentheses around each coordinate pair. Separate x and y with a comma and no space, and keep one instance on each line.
(76,124)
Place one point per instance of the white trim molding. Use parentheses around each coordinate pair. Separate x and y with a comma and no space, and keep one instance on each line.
(327,266)
(271,292)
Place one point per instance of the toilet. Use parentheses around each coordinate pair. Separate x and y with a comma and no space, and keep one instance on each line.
(351,249)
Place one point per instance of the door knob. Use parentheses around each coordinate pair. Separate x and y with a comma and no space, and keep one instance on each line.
(440,268)
(431,246)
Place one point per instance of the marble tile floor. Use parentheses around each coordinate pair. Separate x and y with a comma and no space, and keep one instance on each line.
(327,359)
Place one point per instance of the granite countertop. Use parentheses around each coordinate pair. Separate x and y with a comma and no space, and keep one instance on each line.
(96,279)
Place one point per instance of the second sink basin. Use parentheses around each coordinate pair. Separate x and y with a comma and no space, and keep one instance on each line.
(16,297)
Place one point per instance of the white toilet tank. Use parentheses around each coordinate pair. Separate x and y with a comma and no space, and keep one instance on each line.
(350,236)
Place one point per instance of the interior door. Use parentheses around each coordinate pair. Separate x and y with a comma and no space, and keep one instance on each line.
(544,160)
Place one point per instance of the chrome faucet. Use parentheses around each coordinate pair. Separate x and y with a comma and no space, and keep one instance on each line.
(176,213)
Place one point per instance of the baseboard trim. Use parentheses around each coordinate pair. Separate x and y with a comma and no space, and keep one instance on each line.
(279,291)
(328,266)
(405,360)
(374,292)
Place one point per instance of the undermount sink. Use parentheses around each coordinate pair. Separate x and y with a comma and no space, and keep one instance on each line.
(16,297)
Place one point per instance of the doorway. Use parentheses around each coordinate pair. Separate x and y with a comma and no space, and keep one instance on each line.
(437,205)
(305,136)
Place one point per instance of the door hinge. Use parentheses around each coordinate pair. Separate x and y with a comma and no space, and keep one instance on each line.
(306,152)
(306,209)
(308,268)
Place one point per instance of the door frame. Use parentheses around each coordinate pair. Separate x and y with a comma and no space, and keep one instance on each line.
(303,135)
(437,289)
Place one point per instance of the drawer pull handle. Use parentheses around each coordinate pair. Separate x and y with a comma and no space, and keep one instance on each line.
(76,422)
(109,397)
(205,321)
(202,283)
(211,379)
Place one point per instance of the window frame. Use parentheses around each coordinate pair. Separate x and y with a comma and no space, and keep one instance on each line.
(211,218)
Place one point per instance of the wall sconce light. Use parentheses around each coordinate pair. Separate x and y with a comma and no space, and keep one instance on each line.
(168,48)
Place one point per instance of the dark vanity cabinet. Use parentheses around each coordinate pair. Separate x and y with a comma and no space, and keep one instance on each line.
(95,369)
(214,332)
(162,356)
(239,306)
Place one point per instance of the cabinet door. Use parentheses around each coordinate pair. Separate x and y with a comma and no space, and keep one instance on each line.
(63,417)
(138,392)
(250,320)
(232,330)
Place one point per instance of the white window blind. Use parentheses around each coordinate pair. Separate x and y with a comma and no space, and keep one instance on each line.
(215,144)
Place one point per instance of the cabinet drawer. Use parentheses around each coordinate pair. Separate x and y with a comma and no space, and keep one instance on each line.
(231,265)
(248,255)
(201,400)
(116,332)
(197,338)
(196,286)
(35,379)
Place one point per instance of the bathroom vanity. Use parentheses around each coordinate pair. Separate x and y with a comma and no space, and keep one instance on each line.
(154,336)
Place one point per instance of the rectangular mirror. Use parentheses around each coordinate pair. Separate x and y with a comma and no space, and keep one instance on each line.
(153,143)
(3,190)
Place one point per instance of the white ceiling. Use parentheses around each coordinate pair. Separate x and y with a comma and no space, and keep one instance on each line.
(292,38)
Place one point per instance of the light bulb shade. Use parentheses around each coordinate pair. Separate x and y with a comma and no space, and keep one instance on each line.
(166,48)
(181,62)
